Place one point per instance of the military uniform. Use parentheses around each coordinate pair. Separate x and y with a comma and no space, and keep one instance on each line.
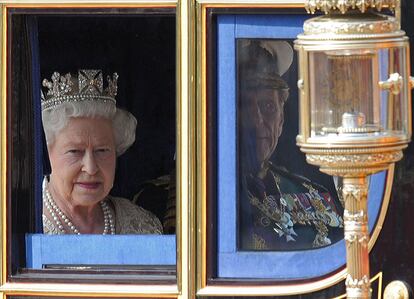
(284,211)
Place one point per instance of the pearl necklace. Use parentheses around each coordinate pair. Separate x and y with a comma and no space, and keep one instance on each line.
(56,212)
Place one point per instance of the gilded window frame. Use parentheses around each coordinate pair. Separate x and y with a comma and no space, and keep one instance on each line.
(191,162)
(185,150)
(204,287)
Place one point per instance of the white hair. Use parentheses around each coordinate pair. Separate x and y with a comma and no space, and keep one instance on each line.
(123,123)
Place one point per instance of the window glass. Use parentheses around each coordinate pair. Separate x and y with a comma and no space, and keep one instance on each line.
(95,174)
(284,203)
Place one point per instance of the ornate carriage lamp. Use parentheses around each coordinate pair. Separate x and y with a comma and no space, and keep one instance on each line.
(354,107)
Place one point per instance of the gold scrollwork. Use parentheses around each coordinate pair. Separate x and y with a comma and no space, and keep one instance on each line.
(393,84)
(354,192)
(350,151)
(362,283)
(352,160)
(343,6)
(349,172)
(357,288)
(352,237)
(355,217)
(411,80)
(377,278)
(387,26)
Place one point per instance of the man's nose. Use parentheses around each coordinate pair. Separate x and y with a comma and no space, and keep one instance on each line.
(258,116)
(89,163)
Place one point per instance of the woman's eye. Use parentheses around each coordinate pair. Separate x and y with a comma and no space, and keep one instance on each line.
(102,151)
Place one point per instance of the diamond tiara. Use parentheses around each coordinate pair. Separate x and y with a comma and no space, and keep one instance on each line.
(87,86)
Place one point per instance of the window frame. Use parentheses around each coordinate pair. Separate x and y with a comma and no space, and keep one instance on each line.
(207,257)
(146,289)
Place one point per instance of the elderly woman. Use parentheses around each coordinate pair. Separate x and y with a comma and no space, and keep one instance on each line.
(85,133)
(279,210)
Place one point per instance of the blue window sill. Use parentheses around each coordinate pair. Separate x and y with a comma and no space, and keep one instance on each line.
(153,250)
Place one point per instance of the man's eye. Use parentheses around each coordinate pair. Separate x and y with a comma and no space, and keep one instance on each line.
(102,150)
(74,151)
(267,107)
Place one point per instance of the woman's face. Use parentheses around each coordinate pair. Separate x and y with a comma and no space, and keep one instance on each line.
(263,113)
(83,161)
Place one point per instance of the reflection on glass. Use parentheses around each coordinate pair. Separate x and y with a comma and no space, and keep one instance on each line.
(341,104)
(278,209)
(347,94)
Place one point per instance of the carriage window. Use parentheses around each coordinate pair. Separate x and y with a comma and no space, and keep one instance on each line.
(284,205)
(273,209)
(93,147)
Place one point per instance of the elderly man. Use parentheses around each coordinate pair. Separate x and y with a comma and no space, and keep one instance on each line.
(279,210)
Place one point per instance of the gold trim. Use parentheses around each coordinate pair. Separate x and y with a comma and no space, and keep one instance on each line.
(355,192)
(85,290)
(330,6)
(183,162)
(283,290)
(87,3)
(202,186)
(252,3)
(331,45)
(372,280)
(203,288)
(186,148)
(3,205)
(201,251)
(384,207)
(379,277)
(351,24)
(280,291)
(181,169)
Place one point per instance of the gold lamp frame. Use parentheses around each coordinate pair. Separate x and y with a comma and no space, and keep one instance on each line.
(353,156)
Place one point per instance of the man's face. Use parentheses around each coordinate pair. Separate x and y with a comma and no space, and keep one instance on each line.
(262,112)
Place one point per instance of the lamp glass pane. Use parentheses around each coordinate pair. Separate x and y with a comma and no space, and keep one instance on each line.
(394,117)
(346,97)
(343,97)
